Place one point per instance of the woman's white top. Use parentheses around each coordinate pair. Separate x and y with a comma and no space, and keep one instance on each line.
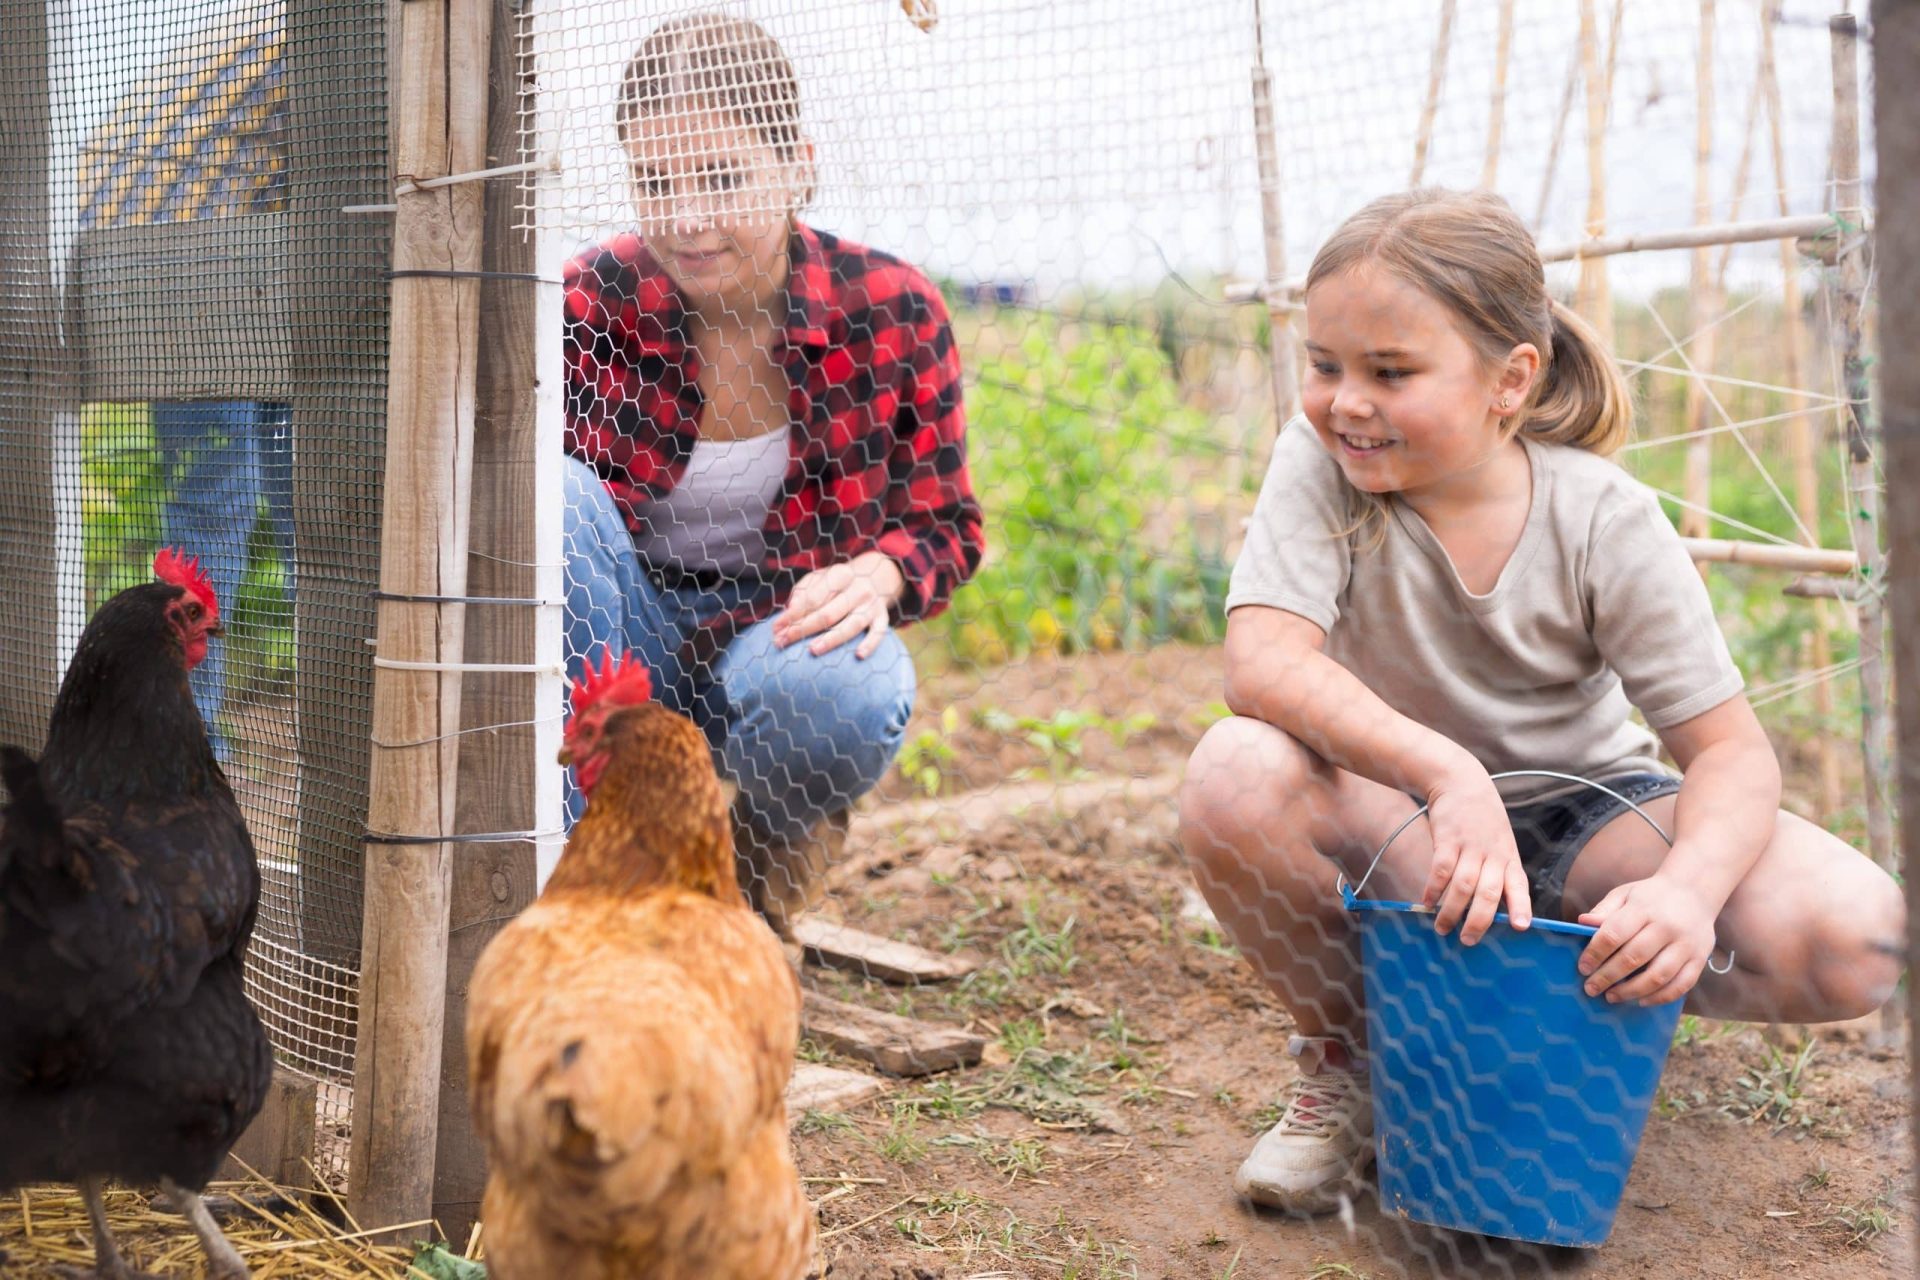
(715,519)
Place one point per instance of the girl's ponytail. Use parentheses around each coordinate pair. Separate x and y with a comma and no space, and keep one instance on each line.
(1582,400)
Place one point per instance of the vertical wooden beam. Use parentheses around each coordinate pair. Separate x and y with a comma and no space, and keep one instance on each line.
(1703,298)
(336,156)
(493,882)
(35,378)
(1863,497)
(1281,345)
(441,130)
(1594,299)
(1497,107)
(1896,66)
(1799,429)
(1436,82)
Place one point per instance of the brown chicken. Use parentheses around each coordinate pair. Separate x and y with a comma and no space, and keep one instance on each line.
(630,1037)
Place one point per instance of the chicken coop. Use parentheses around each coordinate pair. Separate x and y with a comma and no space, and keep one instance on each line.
(330,294)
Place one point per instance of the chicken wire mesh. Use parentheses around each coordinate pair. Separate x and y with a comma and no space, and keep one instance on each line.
(197,360)
(1079,188)
(1040,400)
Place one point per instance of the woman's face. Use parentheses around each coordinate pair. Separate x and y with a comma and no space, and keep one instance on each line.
(715,202)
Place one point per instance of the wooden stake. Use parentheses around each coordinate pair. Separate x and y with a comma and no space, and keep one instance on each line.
(1281,346)
(1847,294)
(1703,300)
(441,121)
(1436,81)
(1799,429)
(1595,297)
(1497,109)
(1896,66)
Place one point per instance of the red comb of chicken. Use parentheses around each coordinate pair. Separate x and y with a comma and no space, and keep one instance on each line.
(618,683)
(185,571)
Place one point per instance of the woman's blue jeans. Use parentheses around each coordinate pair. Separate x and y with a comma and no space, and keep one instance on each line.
(801,736)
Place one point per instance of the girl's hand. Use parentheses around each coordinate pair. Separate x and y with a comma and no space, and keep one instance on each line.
(1475,861)
(841,601)
(1659,930)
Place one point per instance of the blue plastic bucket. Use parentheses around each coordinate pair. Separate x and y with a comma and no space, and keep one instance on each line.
(1506,1100)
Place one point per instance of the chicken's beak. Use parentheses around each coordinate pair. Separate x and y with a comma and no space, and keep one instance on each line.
(566,756)
(216,630)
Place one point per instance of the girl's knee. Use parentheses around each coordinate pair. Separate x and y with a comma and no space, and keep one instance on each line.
(1859,948)
(1241,777)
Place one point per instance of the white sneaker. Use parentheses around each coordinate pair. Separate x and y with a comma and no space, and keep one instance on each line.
(1324,1141)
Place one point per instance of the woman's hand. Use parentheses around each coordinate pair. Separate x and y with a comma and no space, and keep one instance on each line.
(839,602)
(1475,861)
(1655,937)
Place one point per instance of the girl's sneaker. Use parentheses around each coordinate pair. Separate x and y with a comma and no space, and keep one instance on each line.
(1324,1141)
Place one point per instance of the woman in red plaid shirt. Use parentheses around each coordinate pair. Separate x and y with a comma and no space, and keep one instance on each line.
(768,456)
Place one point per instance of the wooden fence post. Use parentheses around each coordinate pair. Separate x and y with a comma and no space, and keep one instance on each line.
(1896,64)
(35,380)
(494,881)
(419,654)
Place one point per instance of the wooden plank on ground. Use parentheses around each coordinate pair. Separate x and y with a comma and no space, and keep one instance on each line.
(896,1045)
(818,1087)
(839,946)
(278,1145)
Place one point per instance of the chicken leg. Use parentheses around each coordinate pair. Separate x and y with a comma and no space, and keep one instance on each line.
(107,1262)
(223,1260)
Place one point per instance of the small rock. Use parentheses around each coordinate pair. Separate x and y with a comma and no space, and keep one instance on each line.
(998,870)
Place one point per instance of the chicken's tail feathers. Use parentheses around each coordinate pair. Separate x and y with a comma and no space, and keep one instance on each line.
(32,816)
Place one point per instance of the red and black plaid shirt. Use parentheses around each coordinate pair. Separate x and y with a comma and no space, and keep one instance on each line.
(879,453)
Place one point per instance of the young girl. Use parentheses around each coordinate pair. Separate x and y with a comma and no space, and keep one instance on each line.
(1444,579)
(768,466)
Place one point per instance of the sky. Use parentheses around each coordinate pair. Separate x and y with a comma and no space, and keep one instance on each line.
(1102,142)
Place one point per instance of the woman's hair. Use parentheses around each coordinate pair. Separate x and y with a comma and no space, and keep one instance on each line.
(714,62)
(1470,252)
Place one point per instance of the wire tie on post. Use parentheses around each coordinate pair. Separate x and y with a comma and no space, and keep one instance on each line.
(407,186)
(473,275)
(478,837)
(400,598)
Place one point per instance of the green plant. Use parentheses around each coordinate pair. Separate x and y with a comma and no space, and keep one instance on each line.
(1768,1091)
(926,759)
(1071,435)
(1060,738)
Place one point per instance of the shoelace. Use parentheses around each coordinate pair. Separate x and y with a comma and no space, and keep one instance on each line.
(1315,1098)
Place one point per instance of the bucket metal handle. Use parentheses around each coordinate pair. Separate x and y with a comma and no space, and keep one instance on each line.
(1645,817)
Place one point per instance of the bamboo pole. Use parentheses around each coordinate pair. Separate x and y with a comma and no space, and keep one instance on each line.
(1497,108)
(1594,299)
(1799,429)
(1767,555)
(1436,82)
(1847,294)
(441,128)
(1896,66)
(1571,83)
(1703,300)
(1281,346)
(1719,233)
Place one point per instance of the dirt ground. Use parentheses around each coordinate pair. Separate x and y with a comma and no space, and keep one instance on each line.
(1133,1057)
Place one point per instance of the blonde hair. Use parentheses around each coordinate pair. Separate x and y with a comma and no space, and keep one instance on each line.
(1469,251)
(724,63)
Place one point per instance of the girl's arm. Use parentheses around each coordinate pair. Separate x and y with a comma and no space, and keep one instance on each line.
(1728,804)
(1277,672)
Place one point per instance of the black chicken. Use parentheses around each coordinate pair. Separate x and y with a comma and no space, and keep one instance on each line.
(128,888)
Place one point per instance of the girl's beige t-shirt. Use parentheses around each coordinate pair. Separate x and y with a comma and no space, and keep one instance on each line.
(1598,610)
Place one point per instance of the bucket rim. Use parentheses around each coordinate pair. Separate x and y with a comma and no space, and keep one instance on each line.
(1356,903)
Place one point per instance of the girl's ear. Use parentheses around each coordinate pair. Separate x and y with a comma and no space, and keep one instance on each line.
(803,175)
(1518,375)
